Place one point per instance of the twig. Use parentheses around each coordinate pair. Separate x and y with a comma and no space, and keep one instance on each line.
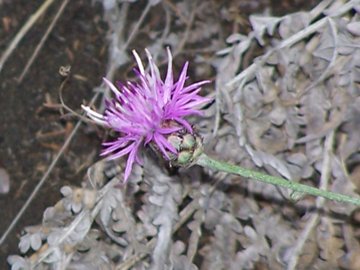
(285,43)
(138,24)
(324,179)
(185,37)
(26,27)
(114,47)
(45,176)
(119,30)
(312,28)
(42,41)
(317,10)
(66,107)
(332,62)
(176,10)
(165,33)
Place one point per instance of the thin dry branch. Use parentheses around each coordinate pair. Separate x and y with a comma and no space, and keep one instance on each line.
(312,28)
(313,221)
(332,60)
(26,27)
(42,41)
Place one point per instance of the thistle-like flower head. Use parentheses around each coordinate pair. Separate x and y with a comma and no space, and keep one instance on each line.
(148,111)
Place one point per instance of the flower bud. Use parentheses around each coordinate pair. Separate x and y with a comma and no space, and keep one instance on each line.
(189,147)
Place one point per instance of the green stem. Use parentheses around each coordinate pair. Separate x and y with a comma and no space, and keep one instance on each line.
(205,161)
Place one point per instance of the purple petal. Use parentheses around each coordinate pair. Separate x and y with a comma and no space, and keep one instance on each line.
(130,161)
(191,87)
(184,123)
(162,143)
(181,81)
(121,153)
(168,130)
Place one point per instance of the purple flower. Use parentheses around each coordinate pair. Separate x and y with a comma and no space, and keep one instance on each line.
(148,111)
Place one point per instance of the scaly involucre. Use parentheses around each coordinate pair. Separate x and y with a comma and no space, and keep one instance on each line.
(148,111)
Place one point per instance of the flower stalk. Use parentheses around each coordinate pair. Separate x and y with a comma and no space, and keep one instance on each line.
(206,161)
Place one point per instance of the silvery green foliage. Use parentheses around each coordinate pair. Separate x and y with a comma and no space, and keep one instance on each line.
(18,263)
(178,259)
(164,197)
(265,125)
(65,238)
(70,202)
(280,109)
(31,240)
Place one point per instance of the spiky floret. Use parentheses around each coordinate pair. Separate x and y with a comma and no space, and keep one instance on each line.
(148,111)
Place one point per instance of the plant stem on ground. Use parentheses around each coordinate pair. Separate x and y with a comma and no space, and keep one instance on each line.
(206,161)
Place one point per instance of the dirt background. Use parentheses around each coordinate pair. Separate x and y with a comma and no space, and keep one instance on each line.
(32,133)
